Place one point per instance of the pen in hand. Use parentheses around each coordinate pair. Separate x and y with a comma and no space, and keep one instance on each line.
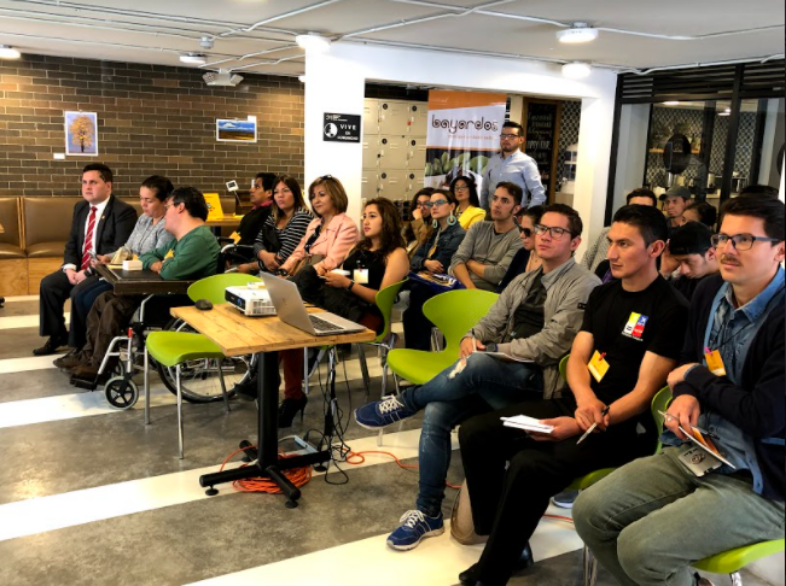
(593,427)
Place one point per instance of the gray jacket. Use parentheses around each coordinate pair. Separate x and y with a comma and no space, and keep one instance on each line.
(485,246)
(567,291)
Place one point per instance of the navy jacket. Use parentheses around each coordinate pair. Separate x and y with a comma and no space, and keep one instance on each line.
(758,407)
(447,245)
(113,229)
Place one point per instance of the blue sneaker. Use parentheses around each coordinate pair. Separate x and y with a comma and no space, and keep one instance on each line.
(415,526)
(382,413)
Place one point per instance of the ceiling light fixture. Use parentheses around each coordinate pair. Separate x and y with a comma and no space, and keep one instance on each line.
(222,78)
(313,42)
(7,52)
(671,103)
(726,112)
(579,32)
(576,70)
(193,58)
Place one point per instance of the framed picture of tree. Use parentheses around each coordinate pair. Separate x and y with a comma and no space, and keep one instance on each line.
(81,132)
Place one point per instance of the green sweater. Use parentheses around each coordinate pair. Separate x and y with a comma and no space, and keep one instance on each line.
(195,256)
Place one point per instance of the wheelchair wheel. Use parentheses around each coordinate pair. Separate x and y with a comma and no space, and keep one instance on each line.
(199,378)
(121,393)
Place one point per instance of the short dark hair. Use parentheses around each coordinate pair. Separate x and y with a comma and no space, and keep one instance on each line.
(535,213)
(105,172)
(765,190)
(643,192)
(575,224)
(448,195)
(650,222)
(474,200)
(192,198)
(268,180)
(708,215)
(516,125)
(769,209)
(161,186)
(514,190)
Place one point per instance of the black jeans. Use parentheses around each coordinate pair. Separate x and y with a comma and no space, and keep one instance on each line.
(508,504)
(417,327)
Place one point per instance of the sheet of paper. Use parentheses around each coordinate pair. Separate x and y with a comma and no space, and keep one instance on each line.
(527,424)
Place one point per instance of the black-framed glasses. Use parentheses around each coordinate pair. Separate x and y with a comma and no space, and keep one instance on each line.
(461,188)
(526,231)
(508,136)
(556,232)
(740,242)
(423,204)
(439,202)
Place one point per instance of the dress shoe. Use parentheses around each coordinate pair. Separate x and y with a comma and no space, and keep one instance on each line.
(51,346)
(69,361)
(471,576)
(288,409)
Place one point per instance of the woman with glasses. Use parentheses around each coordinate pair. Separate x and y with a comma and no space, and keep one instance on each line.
(433,257)
(378,261)
(418,231)
(284,228)
(527,258)
(466,193)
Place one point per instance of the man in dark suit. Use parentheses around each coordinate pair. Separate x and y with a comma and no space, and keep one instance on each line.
(101,224)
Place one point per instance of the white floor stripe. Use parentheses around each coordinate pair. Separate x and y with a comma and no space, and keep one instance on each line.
(25,321)
(13,365)
(44,514)
(21,298)
(436,562)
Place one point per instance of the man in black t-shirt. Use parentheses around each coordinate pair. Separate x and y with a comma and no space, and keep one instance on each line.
(628,343)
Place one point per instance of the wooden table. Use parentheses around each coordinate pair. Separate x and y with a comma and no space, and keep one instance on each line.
(141,282)
(225,222)
(238,335)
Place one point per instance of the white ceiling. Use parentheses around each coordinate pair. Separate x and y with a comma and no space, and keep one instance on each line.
(150,31)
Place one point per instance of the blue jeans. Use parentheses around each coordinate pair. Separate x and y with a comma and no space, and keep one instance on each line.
(485,384)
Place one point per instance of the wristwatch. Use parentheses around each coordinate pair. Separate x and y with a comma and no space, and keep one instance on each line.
(492,347)
(351,284)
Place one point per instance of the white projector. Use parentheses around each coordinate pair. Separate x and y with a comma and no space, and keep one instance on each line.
(251,302)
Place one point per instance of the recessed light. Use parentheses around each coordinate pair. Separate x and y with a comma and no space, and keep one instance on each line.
(301,78)
(313,42)
(193,58)
(579,32)
(576,70)
(7,52)
(726,112)
(671,103)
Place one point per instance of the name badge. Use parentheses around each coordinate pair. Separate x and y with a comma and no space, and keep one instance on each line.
(715,362)
(698,461)
(235,236)
(170,254)
(598,366)
(360,276)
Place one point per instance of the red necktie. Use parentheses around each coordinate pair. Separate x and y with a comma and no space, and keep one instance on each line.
(88,247)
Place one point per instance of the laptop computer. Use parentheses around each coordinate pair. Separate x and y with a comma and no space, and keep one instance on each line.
(292,311)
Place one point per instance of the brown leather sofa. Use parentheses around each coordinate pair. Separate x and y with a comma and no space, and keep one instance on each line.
(35,233)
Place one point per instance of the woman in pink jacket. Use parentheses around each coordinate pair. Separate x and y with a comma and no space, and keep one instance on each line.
(326,244)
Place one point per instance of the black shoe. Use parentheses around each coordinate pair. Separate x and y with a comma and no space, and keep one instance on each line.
(471,575)
(51,346)
(246,390)
(288,409)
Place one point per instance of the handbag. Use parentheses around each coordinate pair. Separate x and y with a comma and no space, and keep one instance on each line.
(462,527)
(271,239)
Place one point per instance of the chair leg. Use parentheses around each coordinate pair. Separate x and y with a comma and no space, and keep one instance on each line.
(305,371)
(223,387)
(736,579)
(364,369)
(179,413)
(147,387)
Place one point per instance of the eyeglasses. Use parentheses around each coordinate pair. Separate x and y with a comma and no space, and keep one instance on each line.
(741,242)
(526,231)
(463,188)
(509,136)
(555,232)
(433,204)
(423,204)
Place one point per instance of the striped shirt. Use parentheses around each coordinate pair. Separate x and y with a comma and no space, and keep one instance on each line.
(290,235)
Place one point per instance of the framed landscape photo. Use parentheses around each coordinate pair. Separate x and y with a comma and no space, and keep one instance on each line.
(81,134)
(236,130)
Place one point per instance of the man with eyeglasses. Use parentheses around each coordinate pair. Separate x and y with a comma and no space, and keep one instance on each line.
(511,165)
(618,362)
(648,522)
(512,354)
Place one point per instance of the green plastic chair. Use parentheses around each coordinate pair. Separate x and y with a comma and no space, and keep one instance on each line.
(454,313)
(171,349)
(386,340)
(734,561)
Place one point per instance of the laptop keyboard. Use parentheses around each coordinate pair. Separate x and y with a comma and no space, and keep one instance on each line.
(324,326)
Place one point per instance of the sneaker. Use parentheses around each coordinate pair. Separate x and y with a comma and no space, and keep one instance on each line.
(382,413)
(415,526)
(565,500)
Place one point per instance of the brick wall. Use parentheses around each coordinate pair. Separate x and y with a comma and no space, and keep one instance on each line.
(151,120)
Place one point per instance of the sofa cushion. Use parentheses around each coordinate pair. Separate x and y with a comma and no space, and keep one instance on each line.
(46,250)
(8,251)
(48,220)
(9,220)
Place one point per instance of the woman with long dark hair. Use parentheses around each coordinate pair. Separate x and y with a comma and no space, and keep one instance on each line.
(419,229)
(468,210)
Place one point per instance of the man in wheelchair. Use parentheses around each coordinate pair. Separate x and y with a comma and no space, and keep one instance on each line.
(192,255)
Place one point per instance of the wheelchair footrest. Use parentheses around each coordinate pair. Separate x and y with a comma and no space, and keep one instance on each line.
(89,384)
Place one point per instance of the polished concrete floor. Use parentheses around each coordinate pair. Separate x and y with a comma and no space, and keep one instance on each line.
(90,495)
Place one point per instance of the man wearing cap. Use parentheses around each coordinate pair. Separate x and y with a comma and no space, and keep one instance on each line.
(691,247)
(676,199)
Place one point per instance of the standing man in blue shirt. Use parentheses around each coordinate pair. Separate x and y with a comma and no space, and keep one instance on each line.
(650,521)
(513,166)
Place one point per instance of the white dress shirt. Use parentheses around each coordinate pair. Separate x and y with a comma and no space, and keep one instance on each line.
(100,207)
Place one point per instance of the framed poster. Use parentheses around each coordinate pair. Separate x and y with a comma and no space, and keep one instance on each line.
(236,130)
(81,133)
